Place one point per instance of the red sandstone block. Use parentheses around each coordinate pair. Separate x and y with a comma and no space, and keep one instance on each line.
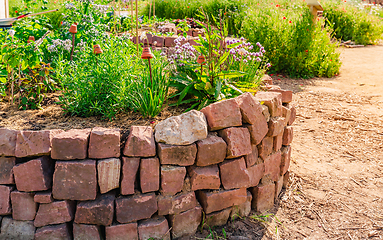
(16,230)
(6,172)
(286,114)
(251,109)
(34,175)
(272,100)
(273,165)
(263,197)
(287,96)
(217,218)
(176,204)
(97,212)
(69,145)
(154,228)
(169,41)
(256,173)
(277,142)
(204,177)
(5,200)
(75,180)
(61,232)
(234,174)
(185,223)
(285,159)
(149,174)
(86,232)
(43,197)
(265,148)
(278,187)
(215,201)
(122,232)
(23,206)
(252,158)
(134,208)
(140,142)
(8,142)
(211,150)
(286,178)
(276,126)
(258,130)
(287,135)
(55,213)
(292,115)
(104,143)
(223,114)
(128,175)
(108,172)
(242,210)
(160,41)
(237,140)
(177,155)
(34,143)
(172,179)
(267,79)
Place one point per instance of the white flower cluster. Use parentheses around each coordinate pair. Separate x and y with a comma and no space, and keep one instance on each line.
(58,43)
(70,6)
(101,8)
(183,52)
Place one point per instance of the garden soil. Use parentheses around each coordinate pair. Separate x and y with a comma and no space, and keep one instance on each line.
(336,182)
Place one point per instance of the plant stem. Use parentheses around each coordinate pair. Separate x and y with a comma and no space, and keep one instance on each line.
(137,27)
(71,54)
(150,71)
(131,14)
(154,10)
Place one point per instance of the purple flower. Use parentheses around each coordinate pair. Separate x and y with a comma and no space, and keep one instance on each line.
(258,59)
(268,65)
(263,51)
(242,39)
(232,51)
(259,45)
(251,47)
(245,60)
(257,54)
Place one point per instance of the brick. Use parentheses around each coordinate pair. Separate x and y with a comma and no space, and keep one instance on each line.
(177,155)
(86,232)
(287,135)
(169,41)
(287,96)
(172,179)
(242,210)
(70,145)
(266,147)
(277,142)
(6,172)
(256,173)
(97,212)
(219,200)
(185,223)
(140,142)
(43,197)
(276,126)
(250,108)
(55,213)
(252,158)
(234,174)
(263,197)
(129,174)
(34,175)
(23,206)
(286,178)
(286,114)
(216,219)
(278,187)
(237,140)
(134,208)
(104,143)
(160,41)
(285,159)
(272,100)
(149,175)
(108,172)
(223,114)
(273,165)
(122,232)
(8,142)
(60,232)
(292,115)
(258,131)
(75,180)
(266,113)
(211,150)
(34,143)
(5,200)
(13,229)
(154,228)
(267,79)
(176,204)
(204,177)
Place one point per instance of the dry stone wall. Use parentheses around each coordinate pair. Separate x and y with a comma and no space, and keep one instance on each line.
(228,158)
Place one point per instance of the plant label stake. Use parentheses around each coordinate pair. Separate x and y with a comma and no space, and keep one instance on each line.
(137,26)
(97,50)
(201,60)
(31,39)
(147,54)
(73,30)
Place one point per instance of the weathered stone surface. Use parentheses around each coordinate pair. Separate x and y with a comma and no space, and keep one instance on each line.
(277,142)
(258,131)
(211,150)
(43,197)
(263,197)
(287,96)
(69,145)
(204,177)
(134,208)
(172,179)
(234,174)
(149,174)
(216,201)
(122,232)
(242,210)
(8,142)
(5,200)
(286,178)
(185,223)
(13,229)
(272,100)
(34,143)
(266,147)
(273,164)
(108,172)
(23,206)
(293,114)
(59,232)
(285,159)
(177,155)
(154,228)
(86,232)
(287,135)
(250,107)
(75,180)
(176,204)
(128,176)
(278,187)
(286,114)
(184,129)
(237,140)
(104,143)
(267,79)
(6,172)
(276,126)
(252,158)
(223,114)
(34,175)
(217,218)
(97,212)
(256,173)
(266,113)
(55,213)
(140,142)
